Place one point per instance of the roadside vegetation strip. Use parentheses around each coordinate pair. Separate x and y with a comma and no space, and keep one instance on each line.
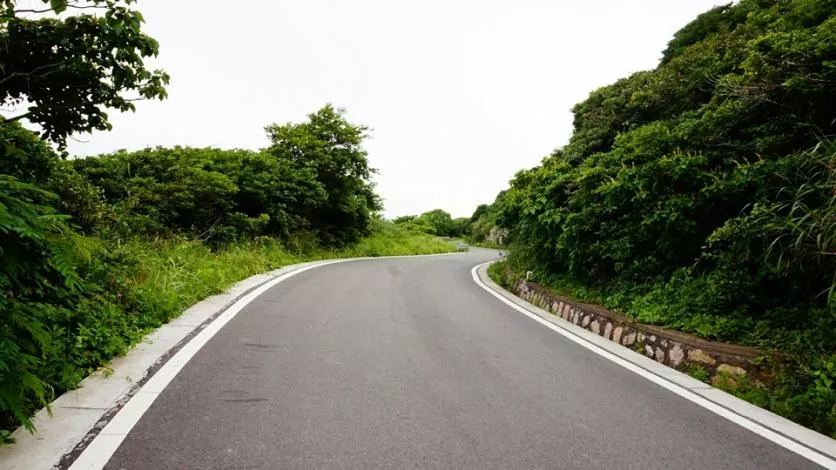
(813,446)
(159,279)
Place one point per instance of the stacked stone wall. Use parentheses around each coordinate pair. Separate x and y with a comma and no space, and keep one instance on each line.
(673,348)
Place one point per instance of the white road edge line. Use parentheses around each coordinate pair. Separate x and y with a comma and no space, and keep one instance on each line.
(96,455)
(747,423)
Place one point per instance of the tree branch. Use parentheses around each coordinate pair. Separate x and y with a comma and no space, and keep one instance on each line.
(33,72)
(46,10)
(17,118)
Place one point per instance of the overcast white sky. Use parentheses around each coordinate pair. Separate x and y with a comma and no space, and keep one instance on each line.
(460,94)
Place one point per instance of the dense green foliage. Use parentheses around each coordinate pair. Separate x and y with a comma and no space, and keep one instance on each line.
(700,195)
(69,70)
(484,226)
(435,222)
(330,147)
(314,177)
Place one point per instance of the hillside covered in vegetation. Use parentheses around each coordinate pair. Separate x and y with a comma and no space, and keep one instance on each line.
(701,195)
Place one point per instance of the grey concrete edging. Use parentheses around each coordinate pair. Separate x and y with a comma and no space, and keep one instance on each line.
(808,439)
(79,415)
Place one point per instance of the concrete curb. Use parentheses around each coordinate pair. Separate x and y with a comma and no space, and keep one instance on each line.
(78,416)
(803,441)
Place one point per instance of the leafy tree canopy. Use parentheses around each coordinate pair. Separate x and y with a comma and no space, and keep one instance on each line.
(331,147)
(68,70)
(314,177)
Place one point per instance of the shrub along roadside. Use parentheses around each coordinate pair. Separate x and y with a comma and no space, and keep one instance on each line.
(136,286)
(314,177)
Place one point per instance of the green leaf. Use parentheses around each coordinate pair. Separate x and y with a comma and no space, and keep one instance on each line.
(58,6)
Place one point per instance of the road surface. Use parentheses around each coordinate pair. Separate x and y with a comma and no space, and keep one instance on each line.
(407,363)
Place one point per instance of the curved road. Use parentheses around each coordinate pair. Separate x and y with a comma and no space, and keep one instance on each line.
(407,363)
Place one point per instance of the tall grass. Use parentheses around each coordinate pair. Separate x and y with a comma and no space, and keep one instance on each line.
(391,240)
(802,221)
(177,273)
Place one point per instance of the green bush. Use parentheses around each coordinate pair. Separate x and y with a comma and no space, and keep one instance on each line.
(314,177)
(435,222)
(500,274)
(392,240)
(38,257)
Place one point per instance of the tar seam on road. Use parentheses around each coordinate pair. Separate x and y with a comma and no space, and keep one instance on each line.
(753,426)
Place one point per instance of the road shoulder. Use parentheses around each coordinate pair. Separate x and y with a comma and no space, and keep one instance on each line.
(79,415)
(805,442)
(95,417)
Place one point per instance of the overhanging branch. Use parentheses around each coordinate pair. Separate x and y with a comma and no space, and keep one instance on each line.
(33,72)
(17,118)
(47,10)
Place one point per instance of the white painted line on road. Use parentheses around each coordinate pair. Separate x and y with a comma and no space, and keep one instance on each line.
(759,429)
(102,448)
(96,455)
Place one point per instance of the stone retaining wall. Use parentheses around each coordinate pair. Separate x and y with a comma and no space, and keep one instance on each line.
(673,348)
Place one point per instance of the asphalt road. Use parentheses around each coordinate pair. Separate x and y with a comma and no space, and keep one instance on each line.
(407,363)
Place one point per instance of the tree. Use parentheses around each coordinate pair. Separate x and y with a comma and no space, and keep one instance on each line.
(403,219)
(414,223)
(720,19)
(270,187)
(460,227)
(481,209)
(68,71)
(439,220)
(37,265)
(315,177)
(665,167)
(434,222)
(483,224)
(331,147)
